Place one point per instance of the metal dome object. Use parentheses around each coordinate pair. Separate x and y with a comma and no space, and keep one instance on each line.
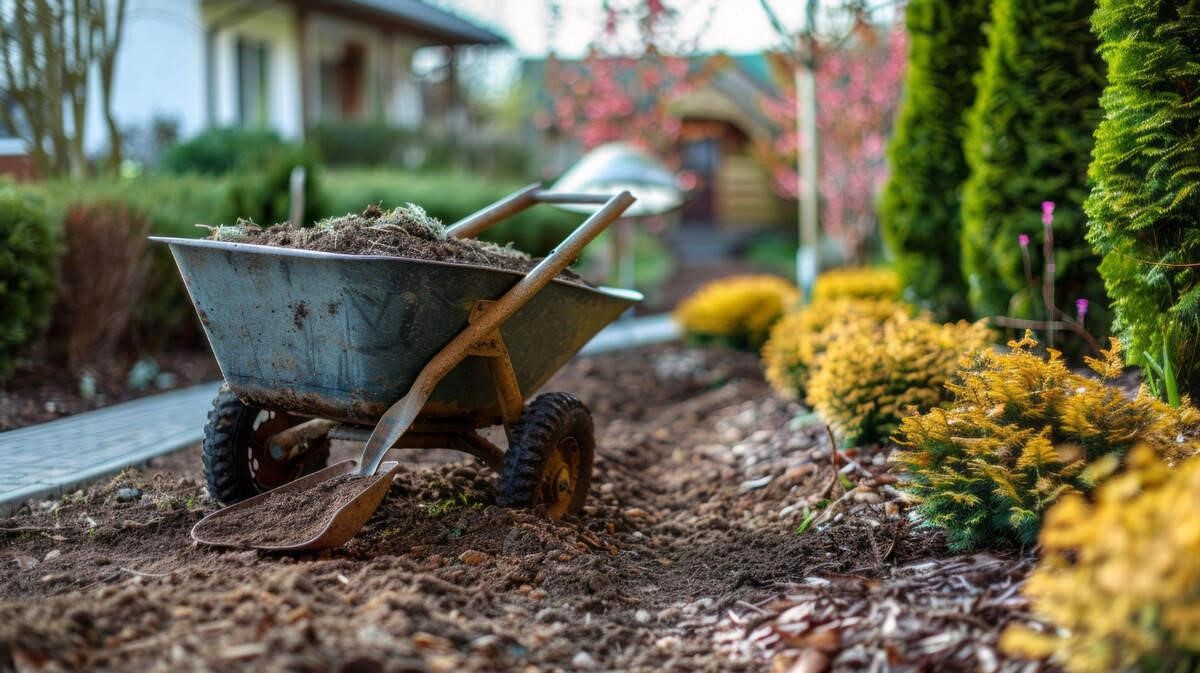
(621,166)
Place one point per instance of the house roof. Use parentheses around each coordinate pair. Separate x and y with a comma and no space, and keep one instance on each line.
(733,87)
(446,26)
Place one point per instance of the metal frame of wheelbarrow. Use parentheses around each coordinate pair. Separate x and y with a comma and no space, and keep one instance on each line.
(400,426)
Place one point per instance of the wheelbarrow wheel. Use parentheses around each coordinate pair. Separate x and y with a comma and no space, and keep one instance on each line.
(549,458)
(237,462)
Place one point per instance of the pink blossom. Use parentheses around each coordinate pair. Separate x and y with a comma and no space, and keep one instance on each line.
(1081,307)
(1047,212)
(1023,239)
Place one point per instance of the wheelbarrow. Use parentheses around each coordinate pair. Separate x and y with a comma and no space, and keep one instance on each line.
(397,353)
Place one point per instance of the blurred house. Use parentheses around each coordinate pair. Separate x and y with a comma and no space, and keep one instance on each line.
(280,64)
(721,121)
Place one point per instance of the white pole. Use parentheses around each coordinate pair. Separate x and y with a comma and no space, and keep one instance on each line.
(808,192)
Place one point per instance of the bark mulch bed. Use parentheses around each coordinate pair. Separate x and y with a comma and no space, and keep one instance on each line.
(38,392)
(687,558)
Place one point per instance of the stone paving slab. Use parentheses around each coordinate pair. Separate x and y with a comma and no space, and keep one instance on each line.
(52,458)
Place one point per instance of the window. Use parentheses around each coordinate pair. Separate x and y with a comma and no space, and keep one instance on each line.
(253,70)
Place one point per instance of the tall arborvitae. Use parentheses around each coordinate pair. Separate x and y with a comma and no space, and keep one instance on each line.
(1029,141)
(1144,207)
(921,208)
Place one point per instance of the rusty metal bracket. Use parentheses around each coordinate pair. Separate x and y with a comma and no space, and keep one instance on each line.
(504,378)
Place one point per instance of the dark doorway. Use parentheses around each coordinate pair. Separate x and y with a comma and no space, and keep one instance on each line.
(701,158)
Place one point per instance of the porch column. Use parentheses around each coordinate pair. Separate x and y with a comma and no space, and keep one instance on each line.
(302,54)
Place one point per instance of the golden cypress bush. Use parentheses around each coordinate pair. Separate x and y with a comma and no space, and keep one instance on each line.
(1118,576)
(799,338)
(857,283)
(870,376)
(1022,431)
(737,311)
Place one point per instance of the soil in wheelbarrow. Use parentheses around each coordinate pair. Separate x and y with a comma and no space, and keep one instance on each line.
(402,232)
(288,518)
(693,554)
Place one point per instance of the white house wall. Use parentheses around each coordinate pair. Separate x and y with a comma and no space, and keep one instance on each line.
(160,68)
(277,28)
(159,71)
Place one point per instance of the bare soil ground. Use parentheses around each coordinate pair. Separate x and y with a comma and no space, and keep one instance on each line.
(688,558)
(41,391)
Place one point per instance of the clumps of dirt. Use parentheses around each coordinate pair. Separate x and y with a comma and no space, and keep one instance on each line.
(288,518)
(401,232)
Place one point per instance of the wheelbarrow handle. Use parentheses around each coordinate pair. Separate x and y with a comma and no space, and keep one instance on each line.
(479,222)
(400,416)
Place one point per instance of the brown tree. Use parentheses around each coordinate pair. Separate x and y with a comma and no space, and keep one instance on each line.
(48,51)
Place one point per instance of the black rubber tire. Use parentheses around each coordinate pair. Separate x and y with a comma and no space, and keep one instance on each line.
(547,421)
(227,436)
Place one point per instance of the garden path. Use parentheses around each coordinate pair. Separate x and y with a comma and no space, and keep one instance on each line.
(51,458)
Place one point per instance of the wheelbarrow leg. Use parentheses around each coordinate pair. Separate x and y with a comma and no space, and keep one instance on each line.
(399,418)
(504,378)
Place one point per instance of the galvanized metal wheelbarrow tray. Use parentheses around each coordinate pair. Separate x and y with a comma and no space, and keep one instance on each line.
(361,340)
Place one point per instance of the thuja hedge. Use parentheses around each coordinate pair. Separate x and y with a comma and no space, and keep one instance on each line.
(1029,140)
(1144,207)
(921,208)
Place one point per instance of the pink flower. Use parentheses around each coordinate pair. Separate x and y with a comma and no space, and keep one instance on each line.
(1081,307)
(1023,239)
(1047,212)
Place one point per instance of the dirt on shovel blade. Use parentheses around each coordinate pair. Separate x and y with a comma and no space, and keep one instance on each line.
(402,232)
(288,518)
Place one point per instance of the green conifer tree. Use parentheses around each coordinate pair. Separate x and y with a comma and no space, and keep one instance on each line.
(921,208)
(1029,140)
(1144,208)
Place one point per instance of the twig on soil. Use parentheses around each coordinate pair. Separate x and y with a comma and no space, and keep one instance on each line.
(833,447)
(874,548)
(143,574)
(751,606)
(18,530)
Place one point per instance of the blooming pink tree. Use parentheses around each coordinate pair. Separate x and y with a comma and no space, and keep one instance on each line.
(858,90)
(622,87)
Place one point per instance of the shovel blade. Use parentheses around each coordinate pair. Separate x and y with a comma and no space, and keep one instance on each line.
(340,527)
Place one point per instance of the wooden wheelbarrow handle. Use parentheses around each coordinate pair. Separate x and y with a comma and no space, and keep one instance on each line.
(400,416)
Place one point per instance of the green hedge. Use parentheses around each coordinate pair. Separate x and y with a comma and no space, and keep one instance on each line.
(259,164)
(1144,207)
(449,197)
(219,151)
(1029,140)
(359,144)
(372,145)
(261,189)
(921,209)
(163,315)
(29,249)
(174,204)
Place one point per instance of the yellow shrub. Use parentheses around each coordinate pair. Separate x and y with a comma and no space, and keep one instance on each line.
(738,311)
(859,283)
(1119,576)
(798,338)
(1024,430)
(868,377)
